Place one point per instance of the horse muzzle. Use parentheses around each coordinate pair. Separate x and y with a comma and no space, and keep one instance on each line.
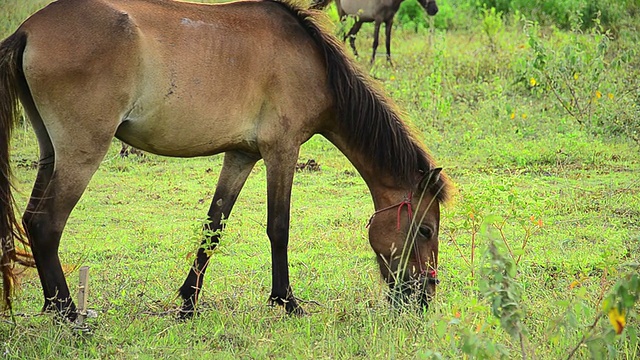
(432,8)
(413,292)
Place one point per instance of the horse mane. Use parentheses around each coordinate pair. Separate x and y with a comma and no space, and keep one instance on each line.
(369,117)
(319,4)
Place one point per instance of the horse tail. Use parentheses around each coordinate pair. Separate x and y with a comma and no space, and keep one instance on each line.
(10,230)
(319,4)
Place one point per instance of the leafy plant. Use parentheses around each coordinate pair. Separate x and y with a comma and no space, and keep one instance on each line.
(580,73)
(498,284)
(491,25)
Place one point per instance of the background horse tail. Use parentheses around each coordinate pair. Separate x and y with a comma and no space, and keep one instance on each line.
(10,230)
(320,4)
(371,119)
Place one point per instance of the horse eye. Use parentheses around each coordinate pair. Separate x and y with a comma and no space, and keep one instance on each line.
(425,231)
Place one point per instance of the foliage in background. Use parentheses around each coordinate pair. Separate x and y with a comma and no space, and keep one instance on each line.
(562,12)
(538,253)
(593,81)
(458,14)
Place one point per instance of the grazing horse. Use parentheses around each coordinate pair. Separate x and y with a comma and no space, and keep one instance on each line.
(376,11)
(251,79)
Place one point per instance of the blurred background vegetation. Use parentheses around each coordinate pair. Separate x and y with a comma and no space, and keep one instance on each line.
(460,14)
(532,109)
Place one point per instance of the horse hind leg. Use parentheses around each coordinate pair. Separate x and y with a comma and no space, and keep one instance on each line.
(62,177)
(235,170)
(43,177)
(388,25)
(352,36)
(376,35)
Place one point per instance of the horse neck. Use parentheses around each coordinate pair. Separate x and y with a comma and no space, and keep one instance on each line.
(384,187)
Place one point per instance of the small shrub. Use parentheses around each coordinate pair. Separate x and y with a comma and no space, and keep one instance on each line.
(492,25)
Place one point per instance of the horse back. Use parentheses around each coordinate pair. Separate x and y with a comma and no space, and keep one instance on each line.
(214,69)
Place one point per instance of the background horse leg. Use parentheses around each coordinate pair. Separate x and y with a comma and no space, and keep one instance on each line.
(387,27)
(235,170)
(280,171)
(352,36)
(376,34)
(57,190)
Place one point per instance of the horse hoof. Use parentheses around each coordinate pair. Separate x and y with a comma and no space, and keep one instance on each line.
(290,305)
(187,311)
(82,329)
(185,315)
(63,310)
(296,311)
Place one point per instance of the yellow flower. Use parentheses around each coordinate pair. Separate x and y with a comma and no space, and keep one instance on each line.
(524,116)
(617,319)
(532,82)
(610,95)
(513,115)
(598,94)
(576,76)
(392,78)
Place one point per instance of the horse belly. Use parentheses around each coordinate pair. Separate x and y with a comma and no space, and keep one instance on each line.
(365,10)
(188,132)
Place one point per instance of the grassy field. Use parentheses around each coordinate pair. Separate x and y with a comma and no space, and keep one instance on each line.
(546,163)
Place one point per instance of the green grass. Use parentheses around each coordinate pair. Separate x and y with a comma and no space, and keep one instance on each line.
(139,221)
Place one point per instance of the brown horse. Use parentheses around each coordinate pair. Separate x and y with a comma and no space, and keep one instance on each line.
(376,11)
(252,79)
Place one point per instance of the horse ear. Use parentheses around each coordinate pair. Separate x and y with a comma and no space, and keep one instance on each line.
(431,178)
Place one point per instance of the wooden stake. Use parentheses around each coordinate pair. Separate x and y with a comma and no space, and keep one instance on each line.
(83,294)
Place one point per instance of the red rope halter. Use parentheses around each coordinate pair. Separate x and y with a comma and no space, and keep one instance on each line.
(432,274)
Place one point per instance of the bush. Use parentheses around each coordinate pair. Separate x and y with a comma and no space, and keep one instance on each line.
(594,85)
(562,12)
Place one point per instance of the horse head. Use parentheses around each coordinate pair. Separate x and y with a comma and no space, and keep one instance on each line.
(430,6)
(404,236)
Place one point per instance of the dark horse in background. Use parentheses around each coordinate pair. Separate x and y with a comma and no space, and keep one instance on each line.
(376,11)
(184,79)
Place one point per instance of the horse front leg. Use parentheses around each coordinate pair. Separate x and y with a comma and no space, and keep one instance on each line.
(235,170)
(280,171)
